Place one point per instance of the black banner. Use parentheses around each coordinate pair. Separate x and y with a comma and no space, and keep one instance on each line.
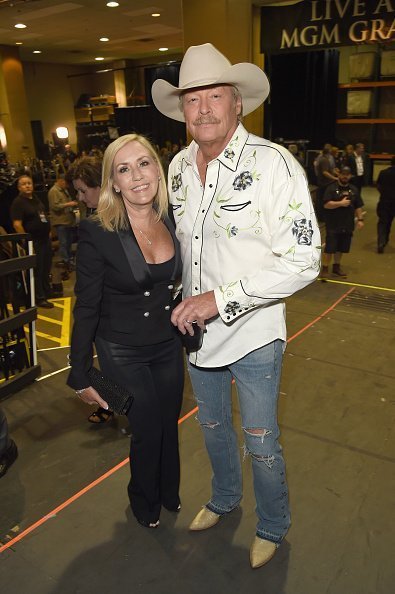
(320,24)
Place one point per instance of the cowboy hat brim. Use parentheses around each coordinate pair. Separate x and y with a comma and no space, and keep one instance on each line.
(249,79)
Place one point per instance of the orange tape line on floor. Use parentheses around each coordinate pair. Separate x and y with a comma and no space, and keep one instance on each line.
(318,318)
(124,462)
(66,503)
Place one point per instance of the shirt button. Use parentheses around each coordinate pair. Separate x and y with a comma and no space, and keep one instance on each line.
(146,314)
(196,288)
(170,286)
(147,293)
(196,236)
(195,263)
(167,307)
(210,185)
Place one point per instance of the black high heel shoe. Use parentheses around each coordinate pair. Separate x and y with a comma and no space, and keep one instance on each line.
(172,508)
(148,524)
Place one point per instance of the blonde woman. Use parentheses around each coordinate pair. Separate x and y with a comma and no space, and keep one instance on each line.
(128,260)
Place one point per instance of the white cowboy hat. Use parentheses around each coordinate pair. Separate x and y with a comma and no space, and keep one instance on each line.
(204,65)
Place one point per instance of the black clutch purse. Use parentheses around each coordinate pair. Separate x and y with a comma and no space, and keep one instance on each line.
(118,399)
(190,343)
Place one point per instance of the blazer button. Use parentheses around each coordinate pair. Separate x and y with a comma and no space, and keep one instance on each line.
(167,307)
(147,293)
(146,314)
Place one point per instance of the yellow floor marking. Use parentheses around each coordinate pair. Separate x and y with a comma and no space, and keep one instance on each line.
(65,334)
(51,320)
(338,282)
(48,337)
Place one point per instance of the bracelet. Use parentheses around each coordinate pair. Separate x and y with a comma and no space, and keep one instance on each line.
(360,220)
(79,392)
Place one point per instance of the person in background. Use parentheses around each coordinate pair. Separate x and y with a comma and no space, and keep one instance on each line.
(358,162)
(343,203)
(386,205)
(326,172)
(8,448)
(294,150)
(249,238)
(128,261)
(62,218)
(68,156)
(85,176)
(28,216)
(348,150)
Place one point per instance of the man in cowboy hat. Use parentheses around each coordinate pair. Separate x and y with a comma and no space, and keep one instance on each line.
(249,238)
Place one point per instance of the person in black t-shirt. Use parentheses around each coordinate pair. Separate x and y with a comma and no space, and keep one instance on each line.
(342,203)
(28,216)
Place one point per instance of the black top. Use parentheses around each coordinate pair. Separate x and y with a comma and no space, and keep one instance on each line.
(120,297)
(386,184)
(342,218)
(32,214)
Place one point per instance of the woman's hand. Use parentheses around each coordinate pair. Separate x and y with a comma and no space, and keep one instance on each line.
(90,396)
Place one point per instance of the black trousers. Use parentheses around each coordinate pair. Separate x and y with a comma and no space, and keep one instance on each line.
(386,214)
(155,376)
(4,436)
(43,251)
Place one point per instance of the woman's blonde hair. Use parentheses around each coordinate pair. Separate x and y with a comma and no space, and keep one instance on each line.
(111,210)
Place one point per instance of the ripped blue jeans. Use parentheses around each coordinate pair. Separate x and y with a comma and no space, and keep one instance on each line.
(257,378)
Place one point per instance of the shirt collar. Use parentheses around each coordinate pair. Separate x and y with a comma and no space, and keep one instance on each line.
(230,155)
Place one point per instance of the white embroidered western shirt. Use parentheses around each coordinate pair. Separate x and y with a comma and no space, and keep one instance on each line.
(250,234)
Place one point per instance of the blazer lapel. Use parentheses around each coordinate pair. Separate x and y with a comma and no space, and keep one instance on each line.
(135,258)
(177,260)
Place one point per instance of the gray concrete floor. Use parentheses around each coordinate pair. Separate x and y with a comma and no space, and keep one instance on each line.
(337,419)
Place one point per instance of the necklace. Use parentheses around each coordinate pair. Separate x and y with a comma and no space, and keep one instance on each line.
(140,231)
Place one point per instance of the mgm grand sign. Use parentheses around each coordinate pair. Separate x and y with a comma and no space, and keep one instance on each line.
(326,23)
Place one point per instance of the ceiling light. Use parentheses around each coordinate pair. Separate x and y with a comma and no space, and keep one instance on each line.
(104,39)
(163,49)
(99,58)
(19,43)
(36,51)
(62,132)
(155,14)
(112,4)
(20,26)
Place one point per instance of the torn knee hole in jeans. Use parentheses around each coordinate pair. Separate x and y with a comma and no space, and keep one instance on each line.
(257,432)
(268,459)
(208,424)
(261,434)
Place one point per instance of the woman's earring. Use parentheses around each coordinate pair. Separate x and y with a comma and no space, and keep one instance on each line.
(159,178)
(117,191)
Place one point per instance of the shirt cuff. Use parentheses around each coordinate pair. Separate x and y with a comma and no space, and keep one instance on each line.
(232,302)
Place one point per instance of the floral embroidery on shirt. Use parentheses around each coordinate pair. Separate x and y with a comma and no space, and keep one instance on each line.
(229,154)
(232,307)
(176,182)
(303,231)
(243,181)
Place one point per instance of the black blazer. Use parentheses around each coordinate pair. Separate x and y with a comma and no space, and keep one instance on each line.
(352,164)
(116,296)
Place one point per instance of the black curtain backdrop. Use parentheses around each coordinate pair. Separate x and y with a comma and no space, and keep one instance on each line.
(302,102)
(169,72)
(147,120)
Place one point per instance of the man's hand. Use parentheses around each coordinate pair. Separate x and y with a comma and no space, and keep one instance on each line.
(199,308)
